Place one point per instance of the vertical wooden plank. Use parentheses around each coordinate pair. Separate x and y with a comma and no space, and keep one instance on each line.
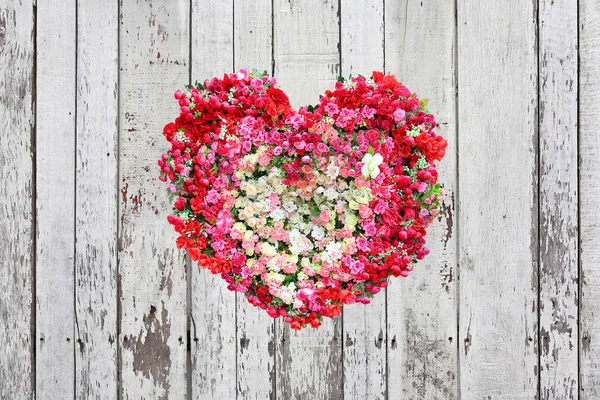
(96,200)
(364,327)
(154,55)
(558,199)
(589,184)
(497,199)
(306,49)
(16,206)
(253,35)
(422,310)
(55,163)
(213,306)
(253,45)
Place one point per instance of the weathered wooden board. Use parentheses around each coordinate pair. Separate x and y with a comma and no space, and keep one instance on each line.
(151,282)
(589,186)
(558,199)
(253,44)
(213,306)
(497,199)
(91,276)
(420,40)
(17,369)
(364,326)
(55,202)
(306,50)
(96,201)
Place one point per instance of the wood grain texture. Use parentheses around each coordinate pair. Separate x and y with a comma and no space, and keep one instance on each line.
(151,281)
(55,215)
(497,199)
(589,184)
(306,48)
(306,37)
(96,201)
(80,198)
(253,44)
(364,326)
(362,40)
(17,215)
(422,309)
(558,200)
(213,305)
(253,35)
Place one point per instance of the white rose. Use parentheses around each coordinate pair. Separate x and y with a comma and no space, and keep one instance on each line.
(371,162)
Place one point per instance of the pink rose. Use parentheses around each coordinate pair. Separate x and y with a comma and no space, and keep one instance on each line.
(399,115)
(324,217)
(212,196)
(224,221)
(264,159)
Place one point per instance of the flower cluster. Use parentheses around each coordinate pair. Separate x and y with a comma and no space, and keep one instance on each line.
(303,211)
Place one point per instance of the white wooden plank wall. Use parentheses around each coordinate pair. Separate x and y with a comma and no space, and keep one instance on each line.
(307,62)
(252,49)
(55,198)
(558,290)
(420,43)
(153,62)
(364,328)
(17,208)
(213,306)
(97,302)
(96,201)
(497,199)
(589,186)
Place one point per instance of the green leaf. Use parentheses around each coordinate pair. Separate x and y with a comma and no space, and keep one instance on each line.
(341,79)
(371,150)
(315,211)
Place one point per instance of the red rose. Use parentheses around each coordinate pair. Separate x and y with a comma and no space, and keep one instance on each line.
(278,103)
(409,213)
(391,82)
(433,147)
(277,96)
(170,130)
(272,110)
(403,181)
(180,203)
(405,151)
(295,325)
(195,254)
(377,76)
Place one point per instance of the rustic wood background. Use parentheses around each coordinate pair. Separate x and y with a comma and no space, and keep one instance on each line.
(96,302)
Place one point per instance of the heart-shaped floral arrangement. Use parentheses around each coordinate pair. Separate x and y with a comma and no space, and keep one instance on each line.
(303,211)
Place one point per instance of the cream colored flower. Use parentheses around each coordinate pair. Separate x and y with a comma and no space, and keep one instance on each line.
(371,162)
